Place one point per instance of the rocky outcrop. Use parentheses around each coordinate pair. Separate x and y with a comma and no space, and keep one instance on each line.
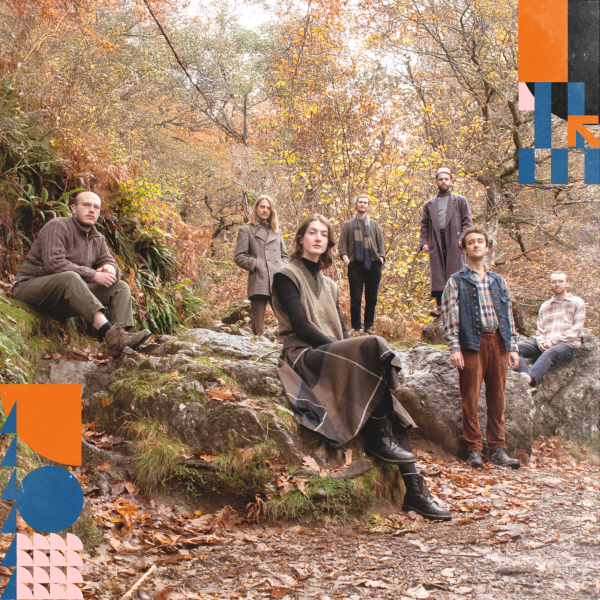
(170,385)
(568,397)
(430,393)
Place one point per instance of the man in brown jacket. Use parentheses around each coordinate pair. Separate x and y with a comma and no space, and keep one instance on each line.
(70,272)
(444,218)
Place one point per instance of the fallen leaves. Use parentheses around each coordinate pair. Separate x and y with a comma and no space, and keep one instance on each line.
(218,393)
(311,463)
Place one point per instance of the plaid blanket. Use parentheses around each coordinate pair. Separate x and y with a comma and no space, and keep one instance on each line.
(336,387)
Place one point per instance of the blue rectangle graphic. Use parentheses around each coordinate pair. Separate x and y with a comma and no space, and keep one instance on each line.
(543,115)
(577,106)
(527,166)
(559,169)
(592,166)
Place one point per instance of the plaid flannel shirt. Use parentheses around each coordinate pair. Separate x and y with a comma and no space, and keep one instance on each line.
(561,321)
(451,315)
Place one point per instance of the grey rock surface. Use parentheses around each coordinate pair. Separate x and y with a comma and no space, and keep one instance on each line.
(568,398)
(430,393)
(170,387)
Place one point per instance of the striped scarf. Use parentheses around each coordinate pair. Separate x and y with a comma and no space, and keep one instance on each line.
(362,247)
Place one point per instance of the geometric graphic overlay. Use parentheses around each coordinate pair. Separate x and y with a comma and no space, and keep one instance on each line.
(558,43)
(10,458)
(10,491)
(35,579)
(543,40)
(577,136)
(49,499)
(49,419)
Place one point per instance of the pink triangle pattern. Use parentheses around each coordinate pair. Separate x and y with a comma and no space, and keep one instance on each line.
(23,559)
(23,592)
(57,559)
(40,559)
(57,576)
(24,575)
(40,575)
(58,592)
(73,559)
(40,542)
(23,542)
(73,542)
(73,575)
(57,543)
(40,592)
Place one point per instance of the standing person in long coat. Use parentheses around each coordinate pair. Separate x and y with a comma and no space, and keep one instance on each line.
(444,218)
(339,385)
(260,251)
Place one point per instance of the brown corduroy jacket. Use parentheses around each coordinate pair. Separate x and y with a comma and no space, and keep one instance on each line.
(63,244)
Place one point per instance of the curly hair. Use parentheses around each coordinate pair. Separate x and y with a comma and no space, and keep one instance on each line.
(476,229)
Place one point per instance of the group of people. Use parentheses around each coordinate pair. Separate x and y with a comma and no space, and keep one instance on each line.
(340,385)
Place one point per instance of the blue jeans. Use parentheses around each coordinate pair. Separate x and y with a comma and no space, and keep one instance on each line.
(556,354)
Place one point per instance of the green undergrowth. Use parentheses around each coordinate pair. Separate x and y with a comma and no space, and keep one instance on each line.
(337,501)
(247,475)
(86,529)
(158,456)
(26,336)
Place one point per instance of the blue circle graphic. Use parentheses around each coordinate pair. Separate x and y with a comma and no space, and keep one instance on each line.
(50,499)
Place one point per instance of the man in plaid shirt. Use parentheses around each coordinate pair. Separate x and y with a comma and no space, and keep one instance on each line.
(559,327)
(480,331)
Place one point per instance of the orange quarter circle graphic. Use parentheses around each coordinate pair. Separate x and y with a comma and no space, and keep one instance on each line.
(48,418)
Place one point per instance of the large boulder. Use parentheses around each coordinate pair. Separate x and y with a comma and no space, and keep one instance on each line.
(568,397)
(171,387)
(430,393)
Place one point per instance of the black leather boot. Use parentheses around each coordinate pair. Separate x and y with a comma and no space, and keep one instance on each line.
(380,443)
(418,498)
(498,456)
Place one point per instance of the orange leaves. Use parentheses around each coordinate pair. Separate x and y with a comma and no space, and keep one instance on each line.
(218,393)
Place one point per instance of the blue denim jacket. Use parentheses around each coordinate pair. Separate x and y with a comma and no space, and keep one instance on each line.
(470,311)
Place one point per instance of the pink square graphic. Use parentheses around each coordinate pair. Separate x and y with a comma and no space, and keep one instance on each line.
(526,99)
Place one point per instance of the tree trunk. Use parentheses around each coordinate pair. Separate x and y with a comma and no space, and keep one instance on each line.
(491,215)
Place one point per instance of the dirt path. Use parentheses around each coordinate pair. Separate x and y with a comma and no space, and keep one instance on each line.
(525,534)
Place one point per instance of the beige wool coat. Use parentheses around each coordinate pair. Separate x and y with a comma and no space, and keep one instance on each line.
(260,252)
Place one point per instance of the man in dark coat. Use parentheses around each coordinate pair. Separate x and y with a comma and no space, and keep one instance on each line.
(444,218)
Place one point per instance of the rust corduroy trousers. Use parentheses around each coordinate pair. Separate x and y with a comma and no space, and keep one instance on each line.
(489,364)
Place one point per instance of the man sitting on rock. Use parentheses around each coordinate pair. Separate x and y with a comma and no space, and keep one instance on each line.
(69,272)
(559,327)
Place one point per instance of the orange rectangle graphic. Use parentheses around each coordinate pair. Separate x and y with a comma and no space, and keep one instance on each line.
(543,40)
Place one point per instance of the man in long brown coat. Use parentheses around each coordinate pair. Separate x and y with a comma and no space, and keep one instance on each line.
(444,218)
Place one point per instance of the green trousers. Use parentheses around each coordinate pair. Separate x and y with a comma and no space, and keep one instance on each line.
(66,295)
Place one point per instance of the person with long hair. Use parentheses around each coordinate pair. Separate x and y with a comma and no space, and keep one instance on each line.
(340,386)
(260,251)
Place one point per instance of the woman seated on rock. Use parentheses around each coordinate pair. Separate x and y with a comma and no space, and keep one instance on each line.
(340,386)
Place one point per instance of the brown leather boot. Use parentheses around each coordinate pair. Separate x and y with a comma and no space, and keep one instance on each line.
(118,338)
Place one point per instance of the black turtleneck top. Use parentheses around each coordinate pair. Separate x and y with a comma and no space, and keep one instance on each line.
(289,297)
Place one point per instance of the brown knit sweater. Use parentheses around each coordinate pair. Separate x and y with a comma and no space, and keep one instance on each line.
(62,245)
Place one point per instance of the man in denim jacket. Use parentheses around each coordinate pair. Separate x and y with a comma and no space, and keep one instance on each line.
(480,331)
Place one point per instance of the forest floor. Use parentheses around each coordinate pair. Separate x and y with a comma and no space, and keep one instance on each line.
(515,534)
